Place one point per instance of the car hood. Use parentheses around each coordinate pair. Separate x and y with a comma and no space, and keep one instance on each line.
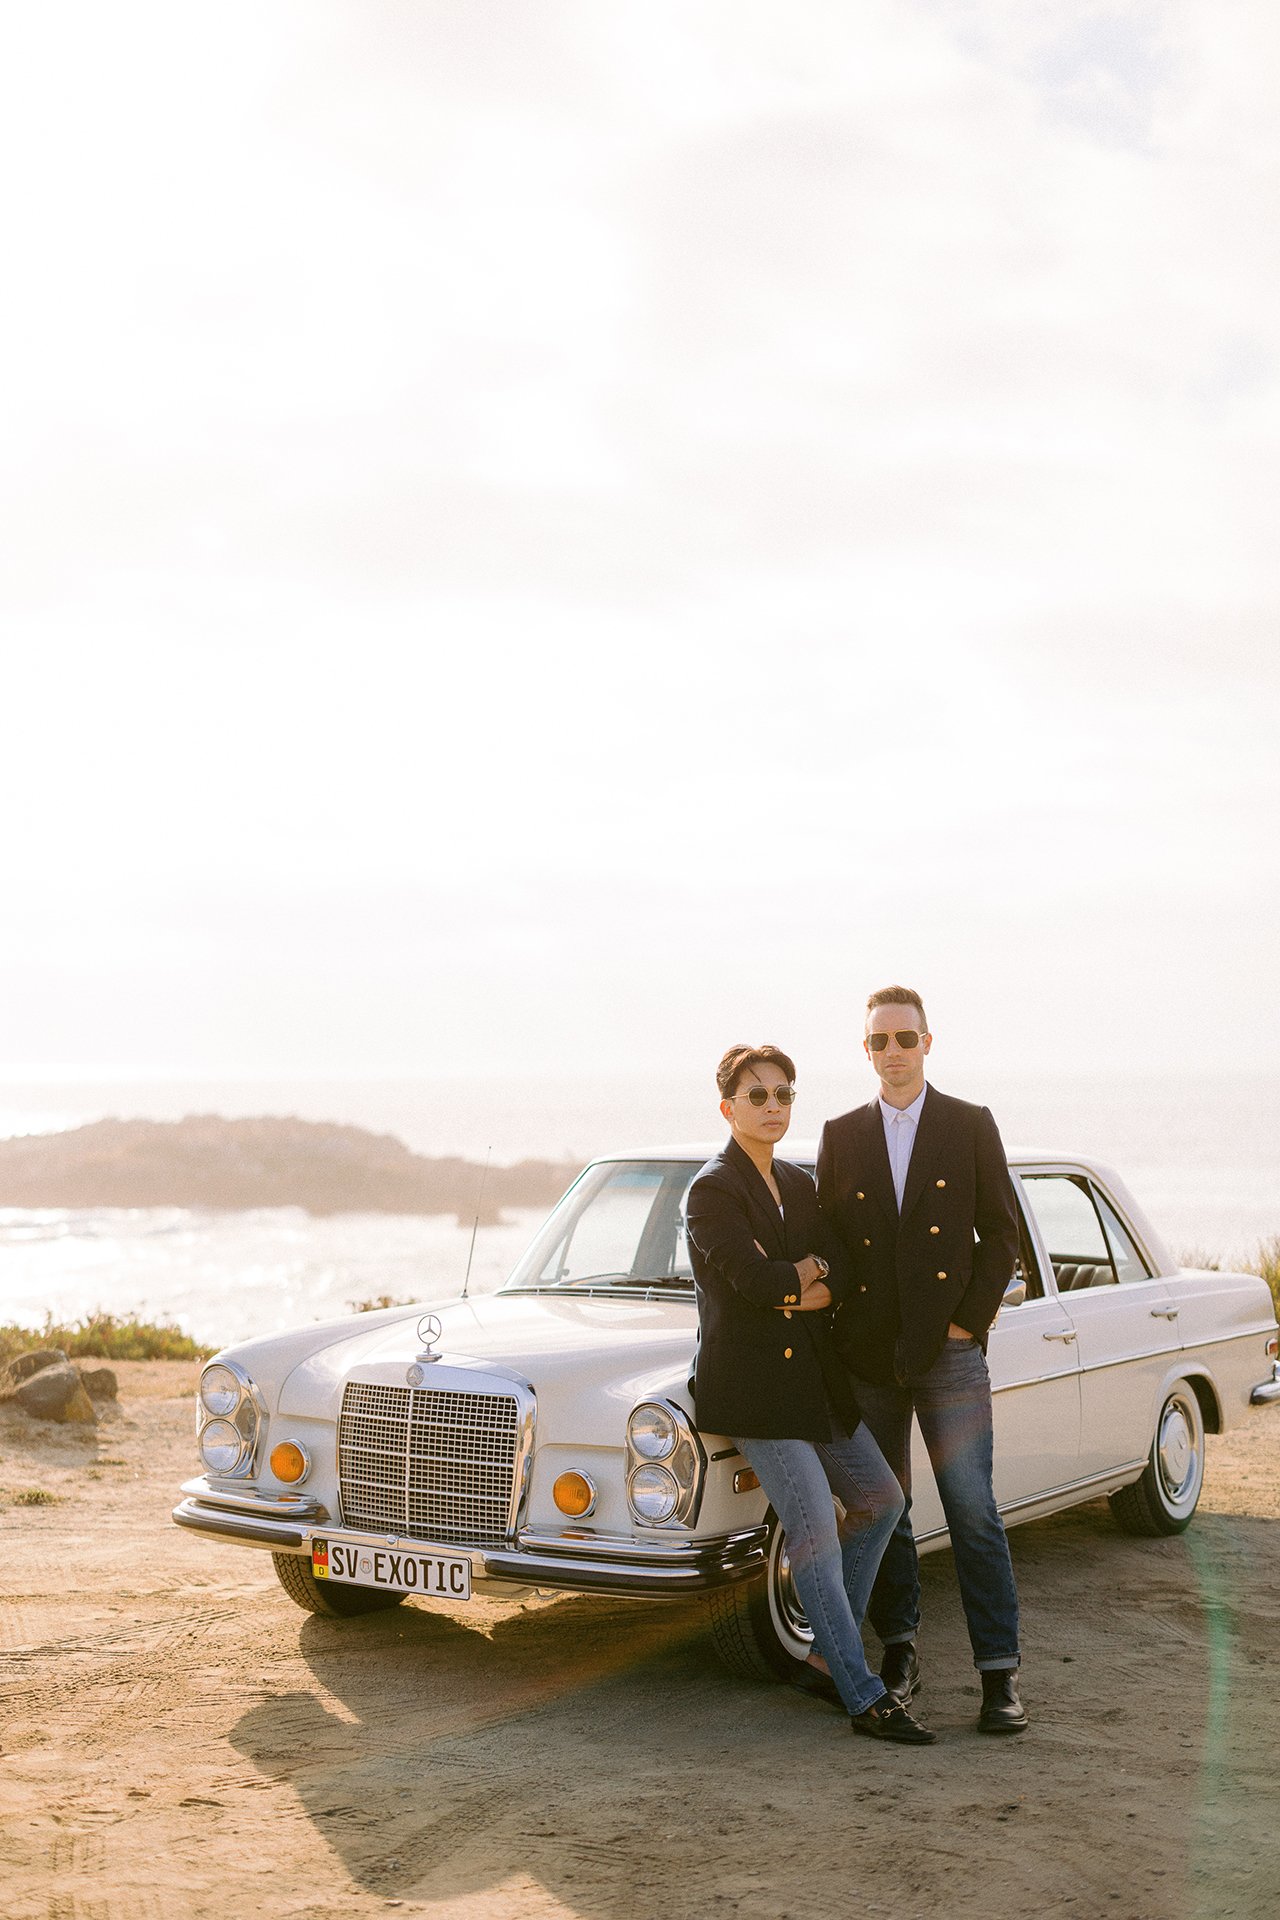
(589,1356)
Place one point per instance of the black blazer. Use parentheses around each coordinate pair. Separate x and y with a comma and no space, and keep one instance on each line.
(761,1373)
(911,1276)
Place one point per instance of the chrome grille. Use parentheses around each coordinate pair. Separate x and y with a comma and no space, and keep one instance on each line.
(432,1464)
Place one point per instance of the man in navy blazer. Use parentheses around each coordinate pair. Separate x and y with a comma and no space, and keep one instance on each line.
(917,1186)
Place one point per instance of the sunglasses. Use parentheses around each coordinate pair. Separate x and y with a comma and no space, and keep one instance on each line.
(877,1042)
(758,1096)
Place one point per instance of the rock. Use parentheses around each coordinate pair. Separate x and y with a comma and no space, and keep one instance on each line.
(23,1365)
(55,1393)
(100,1383)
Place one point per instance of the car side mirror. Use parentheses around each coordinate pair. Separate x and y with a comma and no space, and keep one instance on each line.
(1016,1291)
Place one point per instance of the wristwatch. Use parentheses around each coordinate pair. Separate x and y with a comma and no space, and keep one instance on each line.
(821,1264)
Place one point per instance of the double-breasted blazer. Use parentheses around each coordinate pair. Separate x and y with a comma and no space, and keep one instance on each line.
(763,1370)
(948,1257)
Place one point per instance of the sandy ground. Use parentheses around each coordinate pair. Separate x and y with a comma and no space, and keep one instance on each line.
(179,1739)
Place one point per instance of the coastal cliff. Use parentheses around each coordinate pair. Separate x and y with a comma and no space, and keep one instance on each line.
(207,1161)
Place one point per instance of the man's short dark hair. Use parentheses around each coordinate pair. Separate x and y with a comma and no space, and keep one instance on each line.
(899,997)
(738,1059)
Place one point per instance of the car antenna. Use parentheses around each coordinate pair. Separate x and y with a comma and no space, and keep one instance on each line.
(471,1251)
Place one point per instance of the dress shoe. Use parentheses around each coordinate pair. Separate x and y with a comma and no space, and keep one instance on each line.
(1002,1710)
(888,1719)
(811,1679)
(900,1671)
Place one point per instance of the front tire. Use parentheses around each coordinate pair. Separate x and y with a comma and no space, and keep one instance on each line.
(758,1626)
(335,1599)
(1164,1499)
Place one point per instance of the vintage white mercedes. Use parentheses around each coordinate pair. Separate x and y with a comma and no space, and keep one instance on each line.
(545,1436)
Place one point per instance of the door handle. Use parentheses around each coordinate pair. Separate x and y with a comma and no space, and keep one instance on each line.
(1068,1334)
(1164,1313)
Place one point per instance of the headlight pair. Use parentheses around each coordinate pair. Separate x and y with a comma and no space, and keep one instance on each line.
(229,1419)
(665,1465)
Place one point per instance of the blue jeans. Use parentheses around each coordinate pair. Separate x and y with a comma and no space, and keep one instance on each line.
(952,1402)
(833,1569)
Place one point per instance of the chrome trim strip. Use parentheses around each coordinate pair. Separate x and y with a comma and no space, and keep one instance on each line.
(287,1506)
(1037,1380)
(660,1552)
(251,1532)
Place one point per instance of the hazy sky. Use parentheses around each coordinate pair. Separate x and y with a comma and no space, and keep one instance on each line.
(576,533)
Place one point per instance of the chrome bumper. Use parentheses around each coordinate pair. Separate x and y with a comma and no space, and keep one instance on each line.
(578,1563)
(1269,1390)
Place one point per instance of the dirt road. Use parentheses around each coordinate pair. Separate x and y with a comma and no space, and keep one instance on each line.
(178,1739)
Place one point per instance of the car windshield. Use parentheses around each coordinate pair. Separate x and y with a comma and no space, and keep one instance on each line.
(621,1225)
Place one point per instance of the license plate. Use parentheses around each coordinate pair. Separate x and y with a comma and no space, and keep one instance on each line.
(402,1570)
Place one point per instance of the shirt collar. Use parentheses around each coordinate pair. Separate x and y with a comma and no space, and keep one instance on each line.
(890,1114)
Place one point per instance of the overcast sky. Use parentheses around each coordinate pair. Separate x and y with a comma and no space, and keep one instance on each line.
(575,533)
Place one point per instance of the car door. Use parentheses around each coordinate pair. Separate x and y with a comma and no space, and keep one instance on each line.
(1035,1385)
(1124,1316)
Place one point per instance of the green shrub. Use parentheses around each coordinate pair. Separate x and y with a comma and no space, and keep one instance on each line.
(376,1306)
(34,1497)
(104,1336)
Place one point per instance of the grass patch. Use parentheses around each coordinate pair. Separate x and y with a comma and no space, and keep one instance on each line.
(34,1497)
(104,1336)
(1266,1261)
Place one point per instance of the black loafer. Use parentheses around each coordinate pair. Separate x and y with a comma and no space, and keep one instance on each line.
(888,1719)
(811,1679)
(1002,1710)
(900,1671)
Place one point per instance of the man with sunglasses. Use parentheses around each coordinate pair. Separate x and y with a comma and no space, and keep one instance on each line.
(918,1188)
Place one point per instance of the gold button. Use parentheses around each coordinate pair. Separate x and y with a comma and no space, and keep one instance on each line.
(787,1354)
(866,1243)
(939,1183)
(862,1196)
(942,1276)
(935,1229)
(861,1289)
(786,1313)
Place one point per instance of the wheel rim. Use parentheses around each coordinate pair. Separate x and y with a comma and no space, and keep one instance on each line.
(1178,1454)
(788,1616)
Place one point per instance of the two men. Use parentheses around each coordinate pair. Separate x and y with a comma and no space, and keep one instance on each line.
(918,1188)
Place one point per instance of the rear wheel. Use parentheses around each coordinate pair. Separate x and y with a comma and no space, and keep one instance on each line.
(1165,1498)
(334,1598)
(758,1626)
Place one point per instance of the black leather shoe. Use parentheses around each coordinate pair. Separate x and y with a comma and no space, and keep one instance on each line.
(1002,1710)
(811,1679)
(887,1719)
(900,1671)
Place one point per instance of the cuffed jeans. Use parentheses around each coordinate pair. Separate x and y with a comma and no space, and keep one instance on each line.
(952,1402)
(833,1568)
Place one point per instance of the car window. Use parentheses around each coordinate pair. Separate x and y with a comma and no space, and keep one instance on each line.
(1070,1227)
(1026,1283)
(1129,1263)
(621,1224)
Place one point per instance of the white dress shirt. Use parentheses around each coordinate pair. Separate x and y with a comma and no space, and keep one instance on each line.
(900,1137)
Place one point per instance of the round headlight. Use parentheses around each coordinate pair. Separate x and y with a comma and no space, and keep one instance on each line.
(653,1494)
(652,1432)
(221,1446)
(219,1391)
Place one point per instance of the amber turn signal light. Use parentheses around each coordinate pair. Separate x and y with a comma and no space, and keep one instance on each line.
(289,1462)
(746,1480)
(574,1494)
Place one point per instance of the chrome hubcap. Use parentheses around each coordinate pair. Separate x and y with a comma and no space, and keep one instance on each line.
(787,1610)
(1177,1450)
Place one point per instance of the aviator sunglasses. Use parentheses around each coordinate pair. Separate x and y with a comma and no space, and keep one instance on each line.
(877,1042)
(759,1095)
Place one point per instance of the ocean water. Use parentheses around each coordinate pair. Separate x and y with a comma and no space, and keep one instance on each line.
(1203,1160)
